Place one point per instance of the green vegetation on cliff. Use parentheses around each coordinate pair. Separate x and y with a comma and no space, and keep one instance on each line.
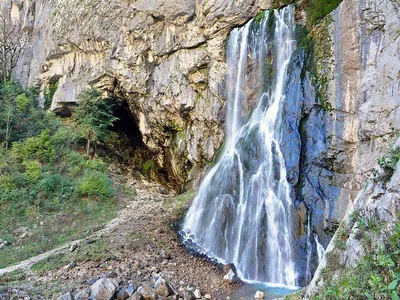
(319,9)
(377,276)
(50,192)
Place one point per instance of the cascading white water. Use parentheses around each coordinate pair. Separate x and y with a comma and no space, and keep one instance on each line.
(309,248)
(242,212)
(320,248)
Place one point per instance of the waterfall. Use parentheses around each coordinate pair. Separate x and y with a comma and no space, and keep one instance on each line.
(309,248)
(320,248)
(242,212)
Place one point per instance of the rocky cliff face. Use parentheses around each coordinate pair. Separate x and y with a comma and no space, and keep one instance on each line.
(166,59)
(355,119)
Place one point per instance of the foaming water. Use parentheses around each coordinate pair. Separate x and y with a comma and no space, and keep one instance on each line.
(242,212)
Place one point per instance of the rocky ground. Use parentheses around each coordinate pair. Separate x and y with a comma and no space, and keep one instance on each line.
(137,255)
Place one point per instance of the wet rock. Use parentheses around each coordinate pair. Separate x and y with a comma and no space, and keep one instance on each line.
(259,295)
(67,296)
(231,275)
(162,288)
(197,293)
(104,289)
(146,293)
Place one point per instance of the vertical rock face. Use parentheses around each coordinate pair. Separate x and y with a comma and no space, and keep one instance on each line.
(355,118)
(165,58)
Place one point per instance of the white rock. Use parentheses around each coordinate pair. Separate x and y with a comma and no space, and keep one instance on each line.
(197,293)
(104,289)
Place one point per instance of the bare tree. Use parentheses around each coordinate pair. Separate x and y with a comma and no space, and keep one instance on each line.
(12,42)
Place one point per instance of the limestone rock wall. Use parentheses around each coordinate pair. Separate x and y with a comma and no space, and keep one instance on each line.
(357,57)
(165,58)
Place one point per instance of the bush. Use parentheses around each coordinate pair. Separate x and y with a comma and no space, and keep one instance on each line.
(33,170)
(55,185)
(95,183)
(388,165)
(6,182)
(39,147)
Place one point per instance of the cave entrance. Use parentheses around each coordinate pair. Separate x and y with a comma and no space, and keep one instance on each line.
(126,126)
(127,146)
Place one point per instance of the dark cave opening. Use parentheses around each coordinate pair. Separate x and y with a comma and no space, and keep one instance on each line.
(128,147)
(126,125)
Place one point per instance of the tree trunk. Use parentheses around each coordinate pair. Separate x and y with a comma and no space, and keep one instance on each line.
(88,147)
(94,150)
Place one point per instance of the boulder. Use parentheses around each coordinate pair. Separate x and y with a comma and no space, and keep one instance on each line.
(231,275)
(104,289)
(259,295)
(197,293)
(162,288)
(146,293)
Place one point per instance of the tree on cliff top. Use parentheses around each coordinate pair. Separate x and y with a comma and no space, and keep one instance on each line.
(12,41)
(94,117)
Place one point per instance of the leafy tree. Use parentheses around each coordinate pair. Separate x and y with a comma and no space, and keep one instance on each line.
(94,117)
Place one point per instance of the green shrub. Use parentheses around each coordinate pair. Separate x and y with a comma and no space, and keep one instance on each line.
(95,184)
(54,185)
(39,147)
(95,165)
(6,182)
(33,170)
(388,165)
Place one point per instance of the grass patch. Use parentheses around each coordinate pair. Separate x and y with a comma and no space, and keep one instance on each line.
(14,276)
(96,251)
